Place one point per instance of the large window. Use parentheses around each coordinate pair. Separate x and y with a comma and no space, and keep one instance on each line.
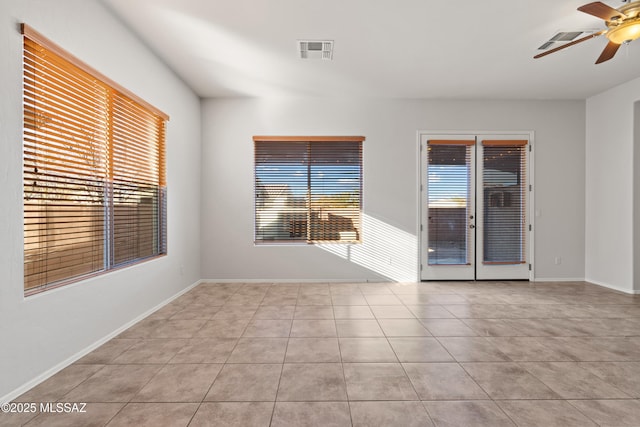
(94,170)
(308,189)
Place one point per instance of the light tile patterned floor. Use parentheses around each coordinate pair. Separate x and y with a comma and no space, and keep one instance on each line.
(369,354)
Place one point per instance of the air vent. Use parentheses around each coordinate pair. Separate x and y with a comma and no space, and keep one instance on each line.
(546,46)
(563,37)
(315,49)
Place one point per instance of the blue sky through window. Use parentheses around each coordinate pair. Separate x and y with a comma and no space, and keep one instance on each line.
(326,179)
(448,184)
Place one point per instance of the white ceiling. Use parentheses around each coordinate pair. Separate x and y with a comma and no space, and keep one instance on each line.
(471,49)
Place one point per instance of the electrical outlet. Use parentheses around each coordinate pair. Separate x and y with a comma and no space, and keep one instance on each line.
(558,260)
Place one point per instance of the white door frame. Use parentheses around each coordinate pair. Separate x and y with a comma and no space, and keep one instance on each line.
(531,180)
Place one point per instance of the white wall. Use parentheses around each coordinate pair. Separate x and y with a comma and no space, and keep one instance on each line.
(390,247)
(39,333)
(609,187)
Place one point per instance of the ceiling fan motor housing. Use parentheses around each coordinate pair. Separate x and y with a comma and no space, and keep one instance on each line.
(625,28)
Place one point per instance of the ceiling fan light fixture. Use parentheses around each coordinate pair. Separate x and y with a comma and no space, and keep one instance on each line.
(625,32)
(623,26)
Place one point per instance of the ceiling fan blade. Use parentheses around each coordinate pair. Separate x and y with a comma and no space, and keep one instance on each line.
(609,52)
(550,51)
(601,10)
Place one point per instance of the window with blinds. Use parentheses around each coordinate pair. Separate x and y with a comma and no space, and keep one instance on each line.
(504,172)
(308,189)
(450,201)
(93,172)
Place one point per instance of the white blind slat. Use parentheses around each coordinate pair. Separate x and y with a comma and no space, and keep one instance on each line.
(449,202)
(504,189)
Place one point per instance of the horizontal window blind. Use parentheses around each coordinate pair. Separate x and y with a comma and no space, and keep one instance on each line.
(308,191)
(449,201)
(93,171)
(138,179)
(65,168)
(504,188)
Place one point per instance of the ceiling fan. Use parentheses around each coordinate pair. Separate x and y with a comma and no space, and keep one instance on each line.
(623,26)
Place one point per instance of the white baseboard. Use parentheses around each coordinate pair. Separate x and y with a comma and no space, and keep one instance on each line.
(614,287)
(593,282)
(80,354)
(292,281)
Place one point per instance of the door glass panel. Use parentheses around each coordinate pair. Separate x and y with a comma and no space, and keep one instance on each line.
(449,195)
(504,214)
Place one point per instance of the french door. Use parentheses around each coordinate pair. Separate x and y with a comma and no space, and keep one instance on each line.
(475,195)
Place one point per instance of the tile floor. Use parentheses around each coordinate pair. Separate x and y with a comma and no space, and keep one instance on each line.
(387,354)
